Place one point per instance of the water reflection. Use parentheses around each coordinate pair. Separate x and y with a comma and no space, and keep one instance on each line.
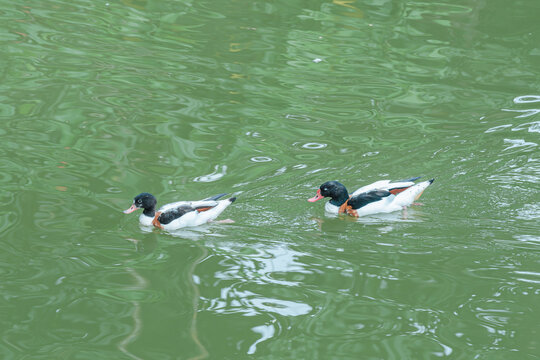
(533,126)
(219,172)
(101,101)
(141,283)
(266,331)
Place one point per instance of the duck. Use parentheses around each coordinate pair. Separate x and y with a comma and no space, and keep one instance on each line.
(178,214)
(382,196)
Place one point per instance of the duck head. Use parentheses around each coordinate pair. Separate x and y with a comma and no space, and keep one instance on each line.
(144,201)
(335,190)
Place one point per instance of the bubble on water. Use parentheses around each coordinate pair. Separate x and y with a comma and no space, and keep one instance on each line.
(314,146)
(261,159)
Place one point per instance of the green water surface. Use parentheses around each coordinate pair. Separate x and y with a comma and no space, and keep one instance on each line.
(102,100)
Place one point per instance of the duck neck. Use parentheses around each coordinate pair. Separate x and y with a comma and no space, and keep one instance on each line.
(340,199)
(150,212)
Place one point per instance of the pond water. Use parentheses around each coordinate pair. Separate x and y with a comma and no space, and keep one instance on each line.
(266,100)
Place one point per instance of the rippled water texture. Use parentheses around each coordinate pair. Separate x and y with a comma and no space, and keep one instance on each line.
(101,100)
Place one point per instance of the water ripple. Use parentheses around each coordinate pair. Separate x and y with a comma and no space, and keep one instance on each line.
(101,101)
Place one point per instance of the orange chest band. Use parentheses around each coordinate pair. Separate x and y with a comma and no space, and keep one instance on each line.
(155,222)
(343,207)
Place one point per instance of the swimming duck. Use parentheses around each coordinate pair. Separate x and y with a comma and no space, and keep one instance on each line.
(382,196)
(178,214)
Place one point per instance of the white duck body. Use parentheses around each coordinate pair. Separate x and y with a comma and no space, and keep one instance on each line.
(393,202)
(194,218)
(147,220)
(179,214)
(390,203)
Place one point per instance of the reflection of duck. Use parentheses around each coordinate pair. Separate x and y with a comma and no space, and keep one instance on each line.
(178,214)
(382,196)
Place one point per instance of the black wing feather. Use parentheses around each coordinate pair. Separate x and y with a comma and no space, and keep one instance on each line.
(173,214)
(363,199)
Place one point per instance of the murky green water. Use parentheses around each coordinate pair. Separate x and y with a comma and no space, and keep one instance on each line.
(101,100)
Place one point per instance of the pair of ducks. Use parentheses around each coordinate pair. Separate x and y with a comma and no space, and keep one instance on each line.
(382,196)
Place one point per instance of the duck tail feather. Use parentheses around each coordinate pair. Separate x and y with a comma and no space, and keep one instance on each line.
(411,179)
(216,197)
